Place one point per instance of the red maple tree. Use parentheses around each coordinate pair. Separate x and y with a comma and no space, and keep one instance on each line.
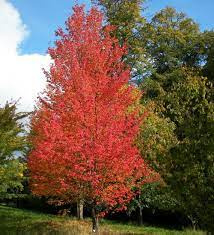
(86,123)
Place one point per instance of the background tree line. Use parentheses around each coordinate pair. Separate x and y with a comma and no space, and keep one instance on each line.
(172,62)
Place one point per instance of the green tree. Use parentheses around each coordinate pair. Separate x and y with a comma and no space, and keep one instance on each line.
(191,163)
(208,68)
(12,146)
(125,15)
(155,139)
(186,99)
(177,58)
(152,195)
(181,56)
(156,136)
(173,40)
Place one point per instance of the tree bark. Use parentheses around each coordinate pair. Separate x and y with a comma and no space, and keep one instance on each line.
(140,219)
(80,209)
(95,222)
(193,222)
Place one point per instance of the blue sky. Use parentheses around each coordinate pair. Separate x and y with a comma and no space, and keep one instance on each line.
(43,17)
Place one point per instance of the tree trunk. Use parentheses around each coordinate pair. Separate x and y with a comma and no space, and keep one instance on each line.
(193,222)
(140,219)
(95,224)
(80,209)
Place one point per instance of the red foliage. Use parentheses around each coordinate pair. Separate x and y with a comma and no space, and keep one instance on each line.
(85,126)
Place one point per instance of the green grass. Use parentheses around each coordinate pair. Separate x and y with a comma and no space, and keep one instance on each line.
(134,229)
(18,221)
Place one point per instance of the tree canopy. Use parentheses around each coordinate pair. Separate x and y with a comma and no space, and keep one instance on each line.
(86,124)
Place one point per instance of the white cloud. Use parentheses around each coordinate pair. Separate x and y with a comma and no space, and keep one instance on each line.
(21,76)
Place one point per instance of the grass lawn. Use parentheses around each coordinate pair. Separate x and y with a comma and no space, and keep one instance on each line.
(18,221)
